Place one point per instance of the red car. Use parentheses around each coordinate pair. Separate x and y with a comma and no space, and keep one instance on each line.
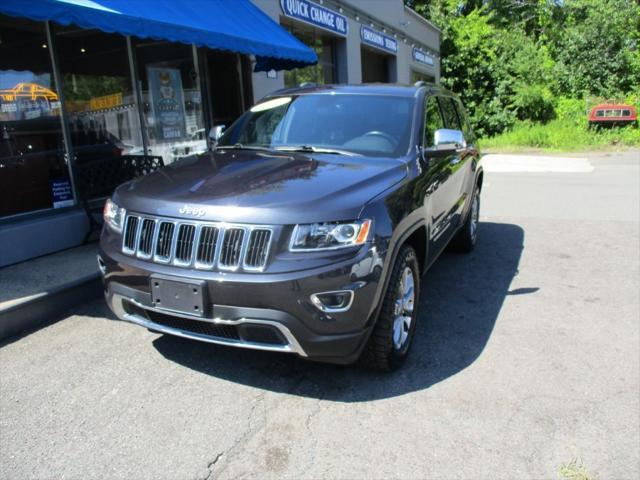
(610,114)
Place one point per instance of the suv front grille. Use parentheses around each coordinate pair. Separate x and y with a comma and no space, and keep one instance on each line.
(201,245)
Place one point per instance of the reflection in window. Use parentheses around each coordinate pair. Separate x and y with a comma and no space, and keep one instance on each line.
(33,171)
(321,73)
(98,96)
(433,121)
(172,100)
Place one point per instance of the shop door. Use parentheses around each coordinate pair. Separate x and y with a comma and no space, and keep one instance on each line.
(226,87)
(375,67)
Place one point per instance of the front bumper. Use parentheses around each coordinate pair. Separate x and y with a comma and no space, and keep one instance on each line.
(271,312)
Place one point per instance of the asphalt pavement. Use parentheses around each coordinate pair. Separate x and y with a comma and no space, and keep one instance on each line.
(527,356)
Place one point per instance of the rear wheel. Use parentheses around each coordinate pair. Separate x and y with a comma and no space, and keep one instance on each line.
(393,332)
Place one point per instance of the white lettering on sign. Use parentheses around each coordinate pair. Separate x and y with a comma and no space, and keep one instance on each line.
(378,39)
(314,14)
(422,57)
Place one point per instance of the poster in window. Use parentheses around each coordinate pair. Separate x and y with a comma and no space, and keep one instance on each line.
(167,103)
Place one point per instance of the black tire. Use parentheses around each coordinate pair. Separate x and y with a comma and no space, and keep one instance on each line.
(467,237)
(381,353)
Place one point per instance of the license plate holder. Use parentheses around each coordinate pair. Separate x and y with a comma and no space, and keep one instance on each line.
(179,296)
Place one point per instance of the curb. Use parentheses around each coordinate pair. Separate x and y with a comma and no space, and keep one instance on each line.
(47,307)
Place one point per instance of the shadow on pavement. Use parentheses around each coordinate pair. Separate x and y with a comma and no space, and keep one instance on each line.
(460,302)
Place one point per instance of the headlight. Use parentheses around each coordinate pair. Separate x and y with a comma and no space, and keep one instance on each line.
(113,215)
(329,236)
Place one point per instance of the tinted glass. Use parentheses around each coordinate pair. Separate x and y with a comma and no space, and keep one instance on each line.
(464,120)
(104,124)
(626,113)
(449,113)
(599,113)
(34,174)
(433,121)
(374,125)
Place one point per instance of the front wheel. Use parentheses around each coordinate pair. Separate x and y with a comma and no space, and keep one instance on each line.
(393,332)
(466,239)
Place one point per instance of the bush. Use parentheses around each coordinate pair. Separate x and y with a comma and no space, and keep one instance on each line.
(562,135)
(534,102)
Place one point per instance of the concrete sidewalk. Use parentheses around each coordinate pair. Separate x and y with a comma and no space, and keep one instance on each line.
(36,292)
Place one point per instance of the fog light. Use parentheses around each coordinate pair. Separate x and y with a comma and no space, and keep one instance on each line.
(333,302)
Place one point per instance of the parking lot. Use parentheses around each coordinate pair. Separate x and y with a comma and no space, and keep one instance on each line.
(527,356)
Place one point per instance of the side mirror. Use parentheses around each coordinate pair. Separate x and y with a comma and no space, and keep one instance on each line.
(447,139)
(215,133)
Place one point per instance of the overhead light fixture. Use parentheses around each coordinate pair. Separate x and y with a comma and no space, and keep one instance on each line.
(340,10)
(82,50)
(44,45)
(357,18)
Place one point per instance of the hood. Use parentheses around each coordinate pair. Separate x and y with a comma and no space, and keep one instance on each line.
(249,186)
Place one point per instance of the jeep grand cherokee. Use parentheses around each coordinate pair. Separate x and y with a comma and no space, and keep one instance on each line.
(305,229)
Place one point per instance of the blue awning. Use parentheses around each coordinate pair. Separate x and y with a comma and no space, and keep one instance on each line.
(232,25)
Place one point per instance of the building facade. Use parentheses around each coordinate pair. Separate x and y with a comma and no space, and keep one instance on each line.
(356,41)
(80,106)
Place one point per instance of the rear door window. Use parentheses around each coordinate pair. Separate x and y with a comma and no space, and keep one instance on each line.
(449,113)
(464,120)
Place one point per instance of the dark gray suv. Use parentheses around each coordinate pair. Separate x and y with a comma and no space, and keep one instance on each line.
(305,229)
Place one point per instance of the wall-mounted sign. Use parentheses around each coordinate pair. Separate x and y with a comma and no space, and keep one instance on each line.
(167,103)
(316,15)
(379,40)
(421,57)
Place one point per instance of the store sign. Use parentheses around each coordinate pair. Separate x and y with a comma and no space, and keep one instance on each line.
(377,39)
(316,15)
(421,57)
(106,101)
(61,193)
(167,103)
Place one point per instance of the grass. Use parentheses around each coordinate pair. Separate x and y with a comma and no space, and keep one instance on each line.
(562,136)
(574,470)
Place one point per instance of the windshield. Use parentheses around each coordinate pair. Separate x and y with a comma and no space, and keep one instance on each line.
(374,125)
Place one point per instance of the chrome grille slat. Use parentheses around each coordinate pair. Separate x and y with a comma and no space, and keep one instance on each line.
(184,247)
(147,231)
(258,248)
(232,244)
(130,234)
(207,245)
(164,240)
(203,245)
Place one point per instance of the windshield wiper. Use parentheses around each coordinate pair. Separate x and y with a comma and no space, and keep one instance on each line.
(239,146)
(312,149)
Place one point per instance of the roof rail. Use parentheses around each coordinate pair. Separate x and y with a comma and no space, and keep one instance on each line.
(308,84)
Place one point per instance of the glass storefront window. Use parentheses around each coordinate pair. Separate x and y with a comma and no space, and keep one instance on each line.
(34,174)
(172,100)
(99,100)
(321,73)
(419,76)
